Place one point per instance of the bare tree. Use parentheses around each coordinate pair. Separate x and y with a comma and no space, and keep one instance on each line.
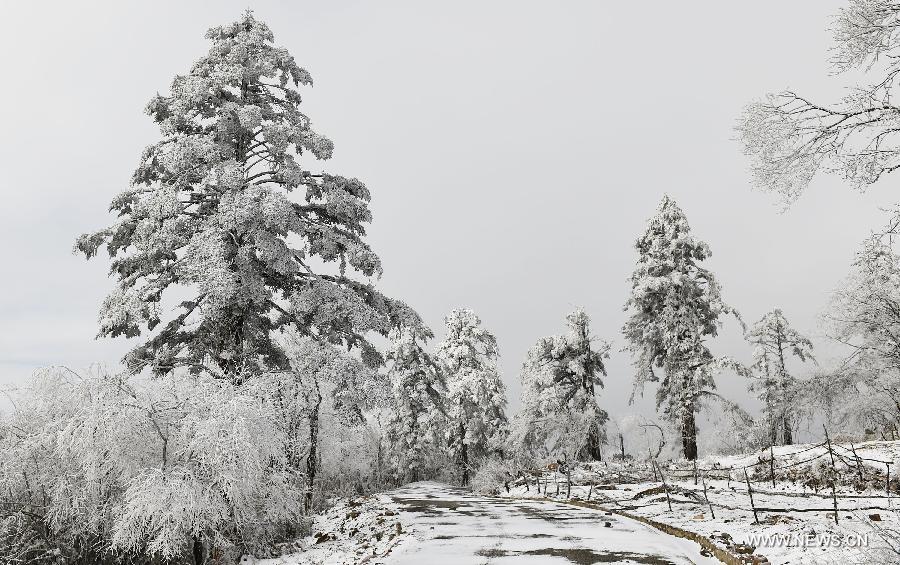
(790,137)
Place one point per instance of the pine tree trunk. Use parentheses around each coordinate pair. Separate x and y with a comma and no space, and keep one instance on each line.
(689,435)
(197,550)
(788,435)
(464,455)
(591,450)
(311,459)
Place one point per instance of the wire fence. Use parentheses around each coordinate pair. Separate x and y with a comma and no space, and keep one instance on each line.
(831,454)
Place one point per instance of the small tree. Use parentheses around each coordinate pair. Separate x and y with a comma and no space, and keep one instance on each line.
(320,375)
(789,137)
(865,315)
(417,421)
(774,339)
(209,212)
(560,378)
(476,399)
(675,307)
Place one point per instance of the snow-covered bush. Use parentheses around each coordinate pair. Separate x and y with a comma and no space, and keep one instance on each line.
(105,467)
(492,477)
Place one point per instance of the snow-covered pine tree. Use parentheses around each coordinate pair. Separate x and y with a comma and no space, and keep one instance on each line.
(674,307)
(476,399)
(210,211)
(775,339)
(417,423)
(560,414)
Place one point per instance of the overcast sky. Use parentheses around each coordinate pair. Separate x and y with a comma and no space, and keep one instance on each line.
(514,150)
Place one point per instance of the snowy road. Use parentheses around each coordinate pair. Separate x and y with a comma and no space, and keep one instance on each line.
(455,527)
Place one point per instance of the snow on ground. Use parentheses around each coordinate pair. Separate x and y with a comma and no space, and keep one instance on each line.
(452,526)
(445,525)
(806,534)
(350,532)
(434,524)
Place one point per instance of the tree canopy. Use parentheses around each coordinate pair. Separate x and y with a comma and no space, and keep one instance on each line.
(223,210)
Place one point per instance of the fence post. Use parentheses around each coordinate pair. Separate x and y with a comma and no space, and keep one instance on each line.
(750,492)
(590,490)
(887,482)
(834,474)
(695,472)
(665,486)
(772,464)
(711,511)
(858,462)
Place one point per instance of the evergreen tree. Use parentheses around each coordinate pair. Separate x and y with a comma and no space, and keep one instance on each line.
(209,211)
(560,378)
(674,307)
(775,339)
(476,399)
(417,421)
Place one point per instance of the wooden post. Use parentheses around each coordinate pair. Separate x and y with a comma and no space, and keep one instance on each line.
(590,490)
(695,472)
(859,468)
(834,497)
(772,464)
(665,486)
(711,511)
(828,443)
(834,474)
(750,492)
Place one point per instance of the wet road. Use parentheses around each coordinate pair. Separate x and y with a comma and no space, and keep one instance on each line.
(454,527)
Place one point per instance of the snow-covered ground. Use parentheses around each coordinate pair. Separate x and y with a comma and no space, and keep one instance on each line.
(452,526)
(445,525)
(435,524)
(803,530)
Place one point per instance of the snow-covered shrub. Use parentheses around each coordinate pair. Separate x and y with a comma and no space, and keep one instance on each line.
(492,477)
(108,467)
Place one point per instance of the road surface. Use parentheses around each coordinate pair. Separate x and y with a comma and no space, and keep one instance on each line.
(451,526)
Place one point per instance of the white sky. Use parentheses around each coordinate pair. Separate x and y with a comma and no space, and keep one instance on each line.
(514,151)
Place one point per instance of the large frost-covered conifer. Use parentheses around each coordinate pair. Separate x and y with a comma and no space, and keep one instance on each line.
(476,399)
(560,378)
(416,428)
(674,307)
(775,339)
(223,209)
